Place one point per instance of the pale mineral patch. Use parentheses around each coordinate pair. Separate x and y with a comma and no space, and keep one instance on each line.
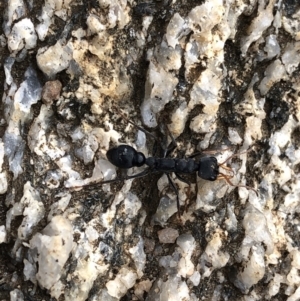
(94,24)
(132,205)
(30,270)
(231,222)
(57,290)
(205,91)
(16,295)
(272,47)
(274,73)
(166,208)
(258,25)
(54,59)
(186,243)
(253,270)
(295,296)
(22,35)
(234,136)
(3,234)
(139,257)
(195,278)
(179,118)
(103,295)
(207,192)
(275,284)
(50,8)
(18,113)
(174,30)
(86,273)
(53,245)
(256,228)
(291,57)
(158,92)
(34,211)
(59,207)
(124,280)
(3,176)
(172,289)
(15,10)
(142,287)
(31,207)
(214,255)
(8,64)
(203,123)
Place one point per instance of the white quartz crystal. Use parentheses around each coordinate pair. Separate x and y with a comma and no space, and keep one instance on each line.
(175,27)
(259,24)
(50,8)
(256,228)
(31,207)
(214,255)
(16,295)
(274,73)
(54,59)
(158,92)
(186,243)
(19,112)
(15,10)
(253,270)
(53,245)
(22,35)
(139,257)
(124,280)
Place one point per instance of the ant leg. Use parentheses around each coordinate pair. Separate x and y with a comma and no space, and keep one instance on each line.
(179,177)
(187,199)
(195,155)
(235,155)
(139,175)
(172,146)
(189,189)
(134,124)
(126,177)
(176,192)
(154,149)
(156,141)
(209,152)
(217,151)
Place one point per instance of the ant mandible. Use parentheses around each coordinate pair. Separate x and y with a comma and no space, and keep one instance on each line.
(125,156)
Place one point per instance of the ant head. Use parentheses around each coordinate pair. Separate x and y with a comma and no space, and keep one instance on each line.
(125,156)
(208,168)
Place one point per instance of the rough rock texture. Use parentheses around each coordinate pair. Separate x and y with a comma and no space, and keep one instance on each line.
(222,77)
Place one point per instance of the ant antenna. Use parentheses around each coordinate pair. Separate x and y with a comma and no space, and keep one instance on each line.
(228,177)
(236,155)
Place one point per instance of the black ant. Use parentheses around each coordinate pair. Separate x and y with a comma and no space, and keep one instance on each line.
(207,167)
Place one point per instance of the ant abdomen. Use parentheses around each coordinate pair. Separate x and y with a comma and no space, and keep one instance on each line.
(125,156)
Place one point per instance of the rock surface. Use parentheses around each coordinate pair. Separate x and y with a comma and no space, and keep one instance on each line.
(222,76)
